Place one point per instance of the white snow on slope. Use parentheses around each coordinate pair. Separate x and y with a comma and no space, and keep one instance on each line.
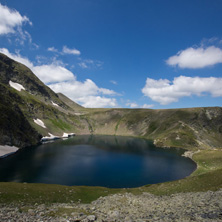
(66,135)
(16,86)
(53,137)
(50,137)
(7,150)
(39,122)
(54,104)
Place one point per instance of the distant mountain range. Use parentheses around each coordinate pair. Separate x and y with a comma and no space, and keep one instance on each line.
(29,110)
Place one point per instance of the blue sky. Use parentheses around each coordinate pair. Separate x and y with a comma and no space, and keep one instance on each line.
(118,53)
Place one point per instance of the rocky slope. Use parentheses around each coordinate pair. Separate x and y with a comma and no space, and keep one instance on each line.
(125,208)
(188,128)
(25,99)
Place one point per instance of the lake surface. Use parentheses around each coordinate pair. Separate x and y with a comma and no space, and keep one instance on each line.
(110,161)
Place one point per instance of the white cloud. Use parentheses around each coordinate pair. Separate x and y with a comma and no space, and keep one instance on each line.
(77,90)
(52,49)
(132,105)
(10,20)
(165,91)
(97,102)
(52,73)
(147,106)
(195,58)
(66,50)
(107,91)
(86,93)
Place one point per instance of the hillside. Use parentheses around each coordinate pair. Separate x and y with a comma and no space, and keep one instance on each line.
(23,107)
(189,128)
(25,99)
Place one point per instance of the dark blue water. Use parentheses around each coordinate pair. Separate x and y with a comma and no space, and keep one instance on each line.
(108,161)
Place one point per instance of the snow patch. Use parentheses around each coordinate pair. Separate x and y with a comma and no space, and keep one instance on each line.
(54,104)
(178,137)
(39,122)
(66,135)
(50,137)
(16,86)
(7,150)
(53,137)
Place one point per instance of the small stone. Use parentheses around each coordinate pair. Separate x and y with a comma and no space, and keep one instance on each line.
(31,212)
(114,213)
(128,219)
(91,218)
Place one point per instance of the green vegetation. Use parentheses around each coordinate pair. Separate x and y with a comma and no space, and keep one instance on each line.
(49,193)
(60,124)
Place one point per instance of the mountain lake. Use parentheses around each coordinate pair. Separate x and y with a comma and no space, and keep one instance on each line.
(109,161)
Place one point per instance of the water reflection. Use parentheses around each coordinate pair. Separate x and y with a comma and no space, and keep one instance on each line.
(109,161)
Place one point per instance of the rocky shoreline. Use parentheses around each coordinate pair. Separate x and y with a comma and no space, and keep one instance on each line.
(200,206)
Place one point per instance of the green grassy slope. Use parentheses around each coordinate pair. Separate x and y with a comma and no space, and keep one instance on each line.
(187,128)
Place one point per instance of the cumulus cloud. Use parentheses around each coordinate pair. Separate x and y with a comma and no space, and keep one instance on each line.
(97,102)
(10,20)
(60,79)
(107,91)
(52,73)
(67,50)
(164,91)
(195,58)
(81,91)
(76,89)
(86,93)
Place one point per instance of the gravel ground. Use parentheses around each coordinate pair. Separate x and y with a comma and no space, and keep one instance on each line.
(203,206)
